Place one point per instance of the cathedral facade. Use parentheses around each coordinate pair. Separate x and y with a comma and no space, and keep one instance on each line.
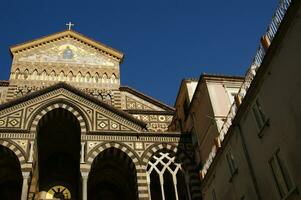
(69,130)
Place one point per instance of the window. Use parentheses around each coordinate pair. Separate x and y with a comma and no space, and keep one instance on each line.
(259,115)
(231,163)
(281,175)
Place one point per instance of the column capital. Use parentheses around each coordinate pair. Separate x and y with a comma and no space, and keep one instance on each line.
(85,175)
(26,175)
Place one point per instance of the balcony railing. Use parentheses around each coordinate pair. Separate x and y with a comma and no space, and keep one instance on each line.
(251,73)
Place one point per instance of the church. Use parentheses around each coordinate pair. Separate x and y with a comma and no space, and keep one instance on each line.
(69,130)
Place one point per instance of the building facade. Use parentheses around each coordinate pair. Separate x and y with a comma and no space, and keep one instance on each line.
(253,152)
(69,130)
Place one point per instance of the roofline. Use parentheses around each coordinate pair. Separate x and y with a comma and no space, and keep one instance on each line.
(257,81)
(185,80)
(213,77)
(45,39)
(147,98)
(76,91)
(205,76)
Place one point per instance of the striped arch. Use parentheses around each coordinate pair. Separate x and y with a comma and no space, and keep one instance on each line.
(188,165)
(41,113)
(17,151)
(124,148)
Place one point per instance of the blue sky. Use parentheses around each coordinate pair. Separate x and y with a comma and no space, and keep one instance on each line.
(163,41)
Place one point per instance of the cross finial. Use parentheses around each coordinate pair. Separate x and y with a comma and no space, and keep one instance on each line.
(69,25)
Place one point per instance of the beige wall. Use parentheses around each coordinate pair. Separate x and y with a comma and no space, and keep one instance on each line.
(277,87)
(280,97)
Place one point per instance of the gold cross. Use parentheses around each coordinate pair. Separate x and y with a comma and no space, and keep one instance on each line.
(69,25)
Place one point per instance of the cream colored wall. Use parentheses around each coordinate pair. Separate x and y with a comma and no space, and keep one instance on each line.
(238,185)
(279,95)
(203,125)
(191,86)
(221,99)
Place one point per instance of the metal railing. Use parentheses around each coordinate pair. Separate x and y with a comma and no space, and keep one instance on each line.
(251,73)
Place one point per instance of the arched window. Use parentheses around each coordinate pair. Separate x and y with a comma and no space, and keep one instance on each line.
(44,75)
(52,75)
(79,77)
(165,177)
(87,77)
(70,76)
(104,78)
(26,73)
(96,78)
(113,79)
(62,76)
(17,73)
(34,75)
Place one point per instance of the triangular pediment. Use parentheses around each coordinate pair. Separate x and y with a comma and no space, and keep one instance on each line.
(137,101)
(99,116)
(67,47)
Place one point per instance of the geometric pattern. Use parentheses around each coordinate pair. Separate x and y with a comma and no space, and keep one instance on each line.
(80,119)
(104,123)
(17,151)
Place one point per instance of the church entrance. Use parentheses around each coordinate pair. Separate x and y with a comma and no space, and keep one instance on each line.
(10,175)
(112,177)
(58,143)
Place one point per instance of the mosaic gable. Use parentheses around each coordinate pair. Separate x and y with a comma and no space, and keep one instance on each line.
(66,51)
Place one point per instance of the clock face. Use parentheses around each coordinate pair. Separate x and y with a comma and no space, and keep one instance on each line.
(58,192)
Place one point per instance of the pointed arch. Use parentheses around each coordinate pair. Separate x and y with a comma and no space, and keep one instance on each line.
(62,76)
(44,75)
(113,79)
(26,74)
(104,78)
(17,73)
(52,75)
(70,76)
(79,77)
(184,160)
(34,74)
(87,77)
(96,77)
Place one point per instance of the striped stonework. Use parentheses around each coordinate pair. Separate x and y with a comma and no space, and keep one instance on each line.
(17,151)
(188,167)
(101,147)
(142,182)
(134,162)
(68,107)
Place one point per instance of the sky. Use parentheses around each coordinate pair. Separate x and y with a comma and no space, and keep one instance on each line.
(163,41)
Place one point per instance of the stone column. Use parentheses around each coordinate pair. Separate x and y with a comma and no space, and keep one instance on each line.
(30,158)
(82,152)
(85,185)
(162,185)
(26,176)
(174,178)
